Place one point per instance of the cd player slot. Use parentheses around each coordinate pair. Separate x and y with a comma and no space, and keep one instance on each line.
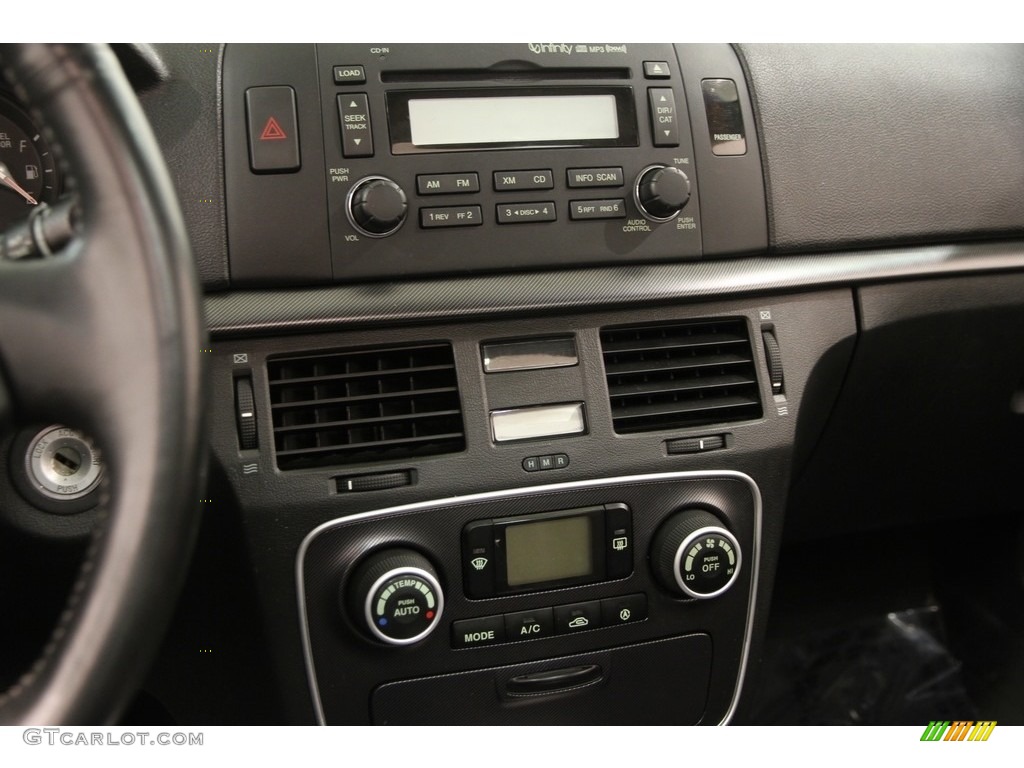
(509,71)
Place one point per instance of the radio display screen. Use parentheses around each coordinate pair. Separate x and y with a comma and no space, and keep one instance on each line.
(549,550)
(512,119)
(508,118)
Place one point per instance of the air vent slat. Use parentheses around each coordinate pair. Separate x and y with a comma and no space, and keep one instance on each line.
(362,446)
(365,405)
(680,375)
(359,375)
(368,422)
(698,340)
(675,363)
(679,408)
(365,398)
(676,385)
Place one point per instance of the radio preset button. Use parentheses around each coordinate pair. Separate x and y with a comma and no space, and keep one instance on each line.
(451,216)
(524,213)
(594,177)
(664,123)
(527,625)
(349,74)
(356,128)
(472,632)
(577,617)
(447,183)
(513,181)
(597,209)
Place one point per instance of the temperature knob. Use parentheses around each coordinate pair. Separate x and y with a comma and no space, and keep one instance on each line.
(376,206)
(661,192)
(396,594)
(694,555)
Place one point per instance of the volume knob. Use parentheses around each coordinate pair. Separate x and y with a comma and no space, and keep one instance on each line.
(396,595)
(376,206)
(662,192)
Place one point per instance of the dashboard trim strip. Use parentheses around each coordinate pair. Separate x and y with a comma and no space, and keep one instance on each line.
(513,492)
(246,313)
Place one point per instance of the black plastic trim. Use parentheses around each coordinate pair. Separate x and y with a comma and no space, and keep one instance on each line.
(258,312)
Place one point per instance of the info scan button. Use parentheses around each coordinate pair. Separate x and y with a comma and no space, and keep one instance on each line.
(472,632)
(578,178)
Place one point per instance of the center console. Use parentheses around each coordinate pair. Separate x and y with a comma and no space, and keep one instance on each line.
(565,515)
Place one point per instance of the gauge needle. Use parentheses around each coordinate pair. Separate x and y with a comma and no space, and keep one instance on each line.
(6,178)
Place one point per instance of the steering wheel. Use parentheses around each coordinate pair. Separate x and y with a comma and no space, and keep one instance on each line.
(106,334)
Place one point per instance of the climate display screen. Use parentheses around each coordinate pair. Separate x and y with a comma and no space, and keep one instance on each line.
(549,550)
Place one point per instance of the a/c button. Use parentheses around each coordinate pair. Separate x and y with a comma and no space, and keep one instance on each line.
(527,625)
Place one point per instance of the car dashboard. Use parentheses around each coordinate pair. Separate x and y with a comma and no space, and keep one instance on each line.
(569,383)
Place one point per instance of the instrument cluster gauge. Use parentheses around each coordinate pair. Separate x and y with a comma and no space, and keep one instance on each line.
(28,171)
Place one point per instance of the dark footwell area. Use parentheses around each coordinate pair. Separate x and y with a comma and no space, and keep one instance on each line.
(897,627)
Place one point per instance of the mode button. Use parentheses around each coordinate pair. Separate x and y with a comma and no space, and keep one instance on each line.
(473,632)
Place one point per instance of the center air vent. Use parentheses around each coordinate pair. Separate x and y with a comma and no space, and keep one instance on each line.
(363,405)
(681,375)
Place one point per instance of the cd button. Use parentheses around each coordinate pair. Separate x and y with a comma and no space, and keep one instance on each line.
(511,181)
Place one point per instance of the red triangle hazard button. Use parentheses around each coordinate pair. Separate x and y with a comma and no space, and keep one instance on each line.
(273,131)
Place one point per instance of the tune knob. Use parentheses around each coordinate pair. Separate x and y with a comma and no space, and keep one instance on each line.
(662,192)
(694,555)
(376,206)
(396,595)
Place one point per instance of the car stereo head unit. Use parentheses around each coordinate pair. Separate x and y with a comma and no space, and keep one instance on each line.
(470,158)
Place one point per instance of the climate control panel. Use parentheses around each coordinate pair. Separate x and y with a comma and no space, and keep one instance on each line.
(528,575)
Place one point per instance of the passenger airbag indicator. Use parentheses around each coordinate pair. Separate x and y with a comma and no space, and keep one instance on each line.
(725,118)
